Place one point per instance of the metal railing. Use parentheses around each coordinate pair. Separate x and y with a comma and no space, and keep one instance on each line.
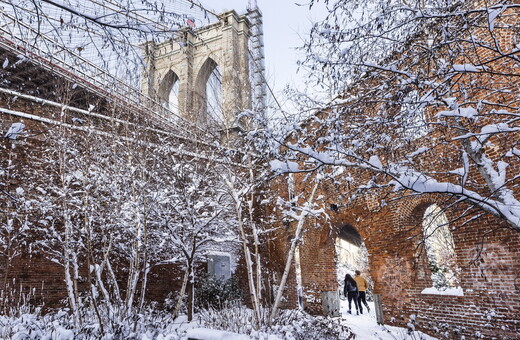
(42,50)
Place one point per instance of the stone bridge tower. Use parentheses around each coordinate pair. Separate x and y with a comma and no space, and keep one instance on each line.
(203,76)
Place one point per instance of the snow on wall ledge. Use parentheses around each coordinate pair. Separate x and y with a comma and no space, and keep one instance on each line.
(457,291)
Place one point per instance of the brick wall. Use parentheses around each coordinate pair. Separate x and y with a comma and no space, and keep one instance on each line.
(486,248)
(31,162)
(486,254)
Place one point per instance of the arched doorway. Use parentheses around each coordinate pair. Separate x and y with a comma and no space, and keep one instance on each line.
(351,253)
(351,256)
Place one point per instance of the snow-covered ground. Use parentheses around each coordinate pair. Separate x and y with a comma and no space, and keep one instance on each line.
(292,325)
(366,328)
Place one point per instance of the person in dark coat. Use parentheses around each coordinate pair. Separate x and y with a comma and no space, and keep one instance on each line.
(350,291)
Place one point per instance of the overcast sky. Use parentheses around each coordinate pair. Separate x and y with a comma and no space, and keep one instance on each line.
(285,26)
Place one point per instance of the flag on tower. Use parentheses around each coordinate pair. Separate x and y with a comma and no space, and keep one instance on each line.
(190,22)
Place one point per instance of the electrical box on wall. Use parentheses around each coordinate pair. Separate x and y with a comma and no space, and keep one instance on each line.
(219,266)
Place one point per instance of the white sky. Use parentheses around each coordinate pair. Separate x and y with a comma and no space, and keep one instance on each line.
(285,26)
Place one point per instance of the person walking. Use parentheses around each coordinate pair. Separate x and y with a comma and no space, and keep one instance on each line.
(350,291)
(362,286)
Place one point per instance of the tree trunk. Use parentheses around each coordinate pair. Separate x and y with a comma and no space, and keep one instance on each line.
(247,253)
(70,291)
(112,275)
(144,283)
(6,273)
(255,238)
(68,267)
(191,294)
(294,243)
(249,266)
(181,293)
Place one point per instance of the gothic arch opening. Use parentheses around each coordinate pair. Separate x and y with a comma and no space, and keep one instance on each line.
(168,93)
(209,89)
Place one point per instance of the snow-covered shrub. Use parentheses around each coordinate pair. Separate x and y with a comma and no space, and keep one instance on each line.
(301,326)
(34,325)
(213,292)
(289,324)
(171,300)
(16,301)
(151,324)
(232,318)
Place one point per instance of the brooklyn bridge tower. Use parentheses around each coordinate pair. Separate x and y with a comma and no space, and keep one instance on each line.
(210,75)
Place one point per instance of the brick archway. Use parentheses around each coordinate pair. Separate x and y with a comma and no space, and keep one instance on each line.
(350,234)
(319,259)
(396,270)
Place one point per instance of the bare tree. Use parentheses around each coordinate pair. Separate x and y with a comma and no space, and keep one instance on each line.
(241,187)
(195,213)
(306,209)
(415,80)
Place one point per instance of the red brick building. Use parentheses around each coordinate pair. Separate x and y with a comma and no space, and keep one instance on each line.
(391,222)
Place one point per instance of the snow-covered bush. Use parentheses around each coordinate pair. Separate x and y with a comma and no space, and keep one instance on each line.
(232,318)
(213,292)
(289,324)
(16,301)
(60,325)
(301,326)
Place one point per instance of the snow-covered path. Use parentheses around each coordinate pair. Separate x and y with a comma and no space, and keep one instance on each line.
(366,328)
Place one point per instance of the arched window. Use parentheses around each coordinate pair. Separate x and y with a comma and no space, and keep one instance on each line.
(168,93)
(210,88)
(440,248)
(173,98)
(214,96)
